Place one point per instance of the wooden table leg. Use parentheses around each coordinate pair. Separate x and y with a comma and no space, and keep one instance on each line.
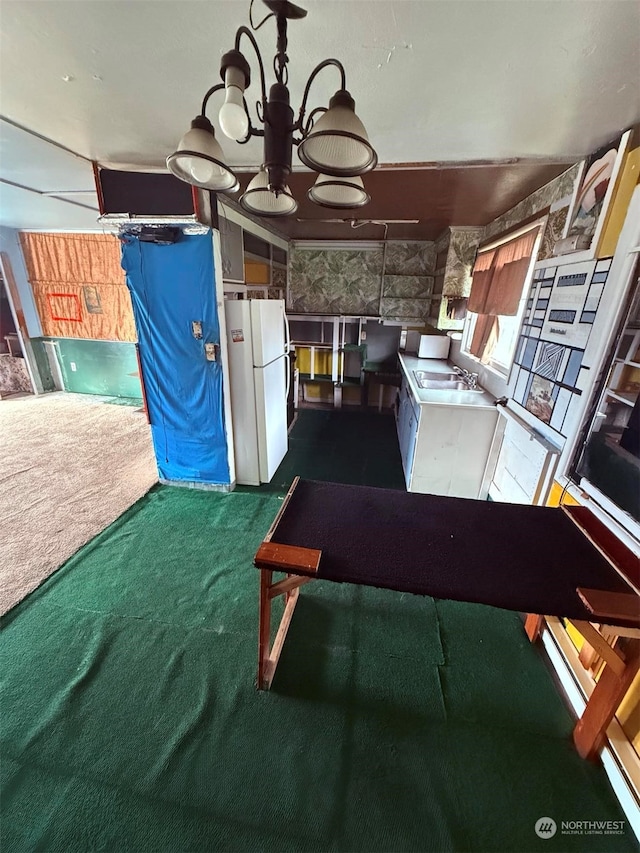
(268,655)
(590,731)
(533,626)
(264,628)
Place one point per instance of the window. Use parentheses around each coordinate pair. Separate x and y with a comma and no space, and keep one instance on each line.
(499,289)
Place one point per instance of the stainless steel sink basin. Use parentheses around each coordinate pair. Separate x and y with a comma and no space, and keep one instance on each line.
(427,375)
(445,385)
(432,381)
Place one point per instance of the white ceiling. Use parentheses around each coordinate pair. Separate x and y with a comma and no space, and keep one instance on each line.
(457,80)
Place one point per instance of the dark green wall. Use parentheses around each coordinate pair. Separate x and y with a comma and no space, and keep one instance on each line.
(101,367)
(42,363)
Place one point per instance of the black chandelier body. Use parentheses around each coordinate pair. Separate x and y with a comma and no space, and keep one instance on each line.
(335,145)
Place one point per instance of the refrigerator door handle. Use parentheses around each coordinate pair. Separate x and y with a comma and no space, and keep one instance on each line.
(287,337)
(288,358)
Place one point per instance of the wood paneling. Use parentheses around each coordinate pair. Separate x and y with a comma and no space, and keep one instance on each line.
(438,197)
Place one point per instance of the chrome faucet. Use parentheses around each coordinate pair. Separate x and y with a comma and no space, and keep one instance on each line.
(470,379)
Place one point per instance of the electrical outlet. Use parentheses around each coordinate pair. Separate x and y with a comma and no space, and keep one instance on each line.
(363,335)
(73,366)
(210,352)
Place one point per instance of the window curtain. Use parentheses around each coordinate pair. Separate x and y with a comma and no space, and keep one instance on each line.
(496,288)
(481,282)
(510,269)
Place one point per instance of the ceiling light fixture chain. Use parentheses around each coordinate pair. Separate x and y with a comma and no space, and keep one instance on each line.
(336,145)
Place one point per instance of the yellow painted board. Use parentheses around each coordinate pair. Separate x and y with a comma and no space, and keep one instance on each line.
(628,713)
(322,361)
(556,493)
(257,273)
(629,178)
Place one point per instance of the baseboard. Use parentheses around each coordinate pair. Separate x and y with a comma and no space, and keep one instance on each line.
(205,487)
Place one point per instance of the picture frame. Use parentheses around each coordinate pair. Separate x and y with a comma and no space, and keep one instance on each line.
(594,189)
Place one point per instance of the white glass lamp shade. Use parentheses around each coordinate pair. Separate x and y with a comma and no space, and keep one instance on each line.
(199,160)
(259,199)
(338,144)
(329,191)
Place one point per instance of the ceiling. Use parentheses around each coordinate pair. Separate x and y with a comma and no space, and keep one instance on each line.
(540,83)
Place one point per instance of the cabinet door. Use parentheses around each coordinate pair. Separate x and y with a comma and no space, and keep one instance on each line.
(403,414)
(232,250)
(412,432)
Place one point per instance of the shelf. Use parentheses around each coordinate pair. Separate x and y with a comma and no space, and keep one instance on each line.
(627,362)
(348,382)
(318,377)
(628,398)
(310,344)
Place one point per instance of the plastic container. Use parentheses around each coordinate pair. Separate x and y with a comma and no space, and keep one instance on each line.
(434,346)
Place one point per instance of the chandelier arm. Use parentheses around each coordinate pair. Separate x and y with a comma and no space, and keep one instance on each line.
(312,76)
(253,131)
(213,89)
(309,122)
(247,32)
(255,27)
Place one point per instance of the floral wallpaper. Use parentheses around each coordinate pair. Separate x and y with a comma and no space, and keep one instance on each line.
(335,281)
(278,277)
(460,259)
(349,281)
(410,258)
(553,232)
(460,245)
(544,197)
(408,286)
(13,375)
(414,310)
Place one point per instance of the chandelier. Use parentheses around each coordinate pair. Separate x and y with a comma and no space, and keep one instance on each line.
(335,145)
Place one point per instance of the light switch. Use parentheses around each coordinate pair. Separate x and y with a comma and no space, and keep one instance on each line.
(196,329)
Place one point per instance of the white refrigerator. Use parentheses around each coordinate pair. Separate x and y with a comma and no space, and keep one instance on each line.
(258,352)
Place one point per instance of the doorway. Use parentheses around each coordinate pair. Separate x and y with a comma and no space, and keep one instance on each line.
(14,374)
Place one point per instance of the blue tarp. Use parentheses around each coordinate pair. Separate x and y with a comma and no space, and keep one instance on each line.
(171,286)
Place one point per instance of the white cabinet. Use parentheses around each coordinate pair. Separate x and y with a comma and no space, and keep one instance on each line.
(408,419)
(231,250)
(444,446)
(451,450)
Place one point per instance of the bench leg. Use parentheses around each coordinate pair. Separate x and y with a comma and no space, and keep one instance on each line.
(533,626)
(264,629)
(590,732)
(268,656)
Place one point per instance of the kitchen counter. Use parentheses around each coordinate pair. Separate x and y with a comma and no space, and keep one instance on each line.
(443,397)
(444,436)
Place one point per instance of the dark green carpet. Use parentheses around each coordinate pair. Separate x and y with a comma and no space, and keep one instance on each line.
(130,721)
(343,447)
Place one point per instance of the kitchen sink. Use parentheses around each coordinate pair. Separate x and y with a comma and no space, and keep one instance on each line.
(431,381)
(427,375)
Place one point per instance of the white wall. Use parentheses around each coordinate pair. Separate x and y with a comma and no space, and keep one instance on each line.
(10,243)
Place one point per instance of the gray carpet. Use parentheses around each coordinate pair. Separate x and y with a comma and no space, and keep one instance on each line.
(70,466)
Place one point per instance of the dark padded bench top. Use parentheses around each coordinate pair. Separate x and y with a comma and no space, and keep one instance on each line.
(525,558)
